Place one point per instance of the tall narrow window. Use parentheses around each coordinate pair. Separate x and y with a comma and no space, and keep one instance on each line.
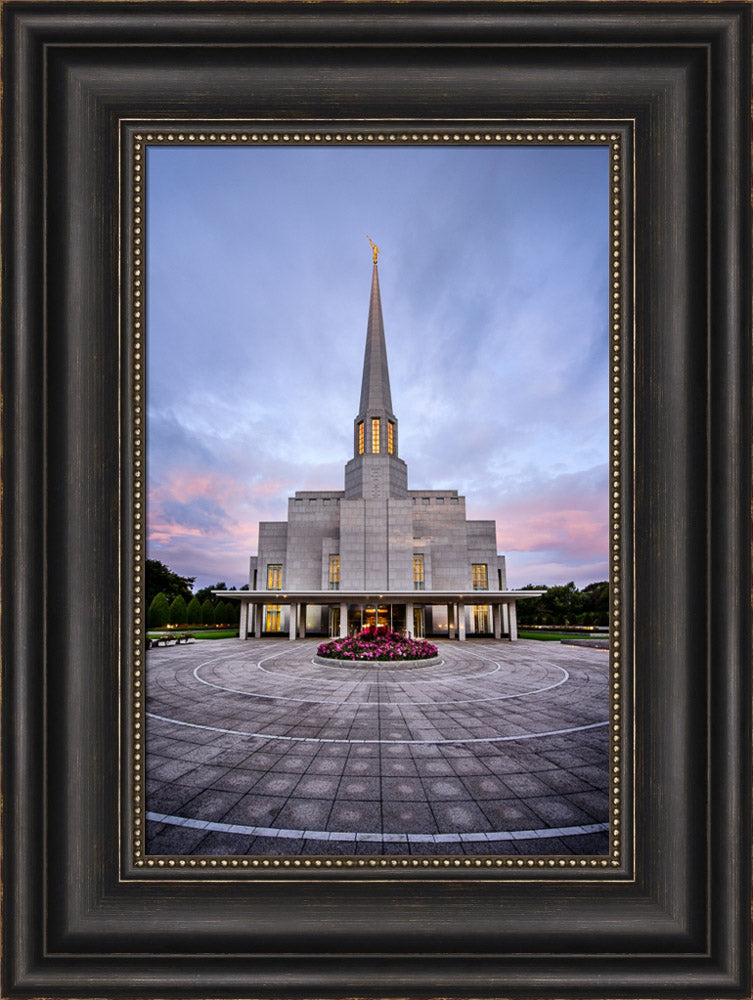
(272,618)
(375,435)
(418,571)
(390,437)
(360,438)
(480,581)
(334,572)
(480,614)
(274,577)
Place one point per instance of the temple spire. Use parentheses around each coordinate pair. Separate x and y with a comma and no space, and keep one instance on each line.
(375,386)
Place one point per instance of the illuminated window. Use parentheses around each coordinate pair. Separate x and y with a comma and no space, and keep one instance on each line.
(334,572)
(480,581)
(360,438)
(272,619)
(375,435)
(480,613)
(274,577)
(418,571)
(390,437)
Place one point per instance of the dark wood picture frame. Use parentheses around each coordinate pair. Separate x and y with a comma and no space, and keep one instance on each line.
(76,921)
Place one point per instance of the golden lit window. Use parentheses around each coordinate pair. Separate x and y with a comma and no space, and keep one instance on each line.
(334,572)
(375,435)
(480,581)
(360,438)
(390,437)
(272,618)
(274,577)
(480,613)
(418,571)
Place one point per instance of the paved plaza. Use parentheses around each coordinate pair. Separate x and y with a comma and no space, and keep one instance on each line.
(252,748)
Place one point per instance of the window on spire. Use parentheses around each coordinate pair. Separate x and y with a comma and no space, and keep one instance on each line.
(375,435)
(390,437)
(360,438)
(274,576)
(480,579)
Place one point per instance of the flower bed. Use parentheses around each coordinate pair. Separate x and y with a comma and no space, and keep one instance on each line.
(377,644)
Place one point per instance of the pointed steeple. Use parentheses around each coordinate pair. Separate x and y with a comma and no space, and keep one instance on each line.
(375,471)
(375,386)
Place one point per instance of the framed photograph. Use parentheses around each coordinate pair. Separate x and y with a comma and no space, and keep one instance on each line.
(160,839)
(432,704)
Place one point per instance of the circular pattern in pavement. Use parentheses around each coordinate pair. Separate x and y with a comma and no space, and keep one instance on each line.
(254,748)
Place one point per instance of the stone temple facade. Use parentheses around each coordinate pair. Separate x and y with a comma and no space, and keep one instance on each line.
(377,552)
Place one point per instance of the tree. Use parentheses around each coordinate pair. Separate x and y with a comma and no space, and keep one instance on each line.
(206,592)
(159,611)
(207,613)
(178,611)
(160,578)
(193,612)
(220,613)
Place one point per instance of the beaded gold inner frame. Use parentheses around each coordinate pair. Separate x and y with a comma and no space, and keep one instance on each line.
(135,138)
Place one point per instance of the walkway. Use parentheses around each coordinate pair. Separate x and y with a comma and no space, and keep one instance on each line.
(254,749)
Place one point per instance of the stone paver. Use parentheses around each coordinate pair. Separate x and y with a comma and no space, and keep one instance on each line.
(252,748)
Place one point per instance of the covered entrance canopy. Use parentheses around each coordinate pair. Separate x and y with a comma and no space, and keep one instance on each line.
(393,609)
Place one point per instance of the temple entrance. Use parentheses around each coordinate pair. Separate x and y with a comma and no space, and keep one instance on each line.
(419,628)
(379,616)
(334,622)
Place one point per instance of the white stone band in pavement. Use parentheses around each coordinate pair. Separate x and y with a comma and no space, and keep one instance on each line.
(382,838)
(332,739)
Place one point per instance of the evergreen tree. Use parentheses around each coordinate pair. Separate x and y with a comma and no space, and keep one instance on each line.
(193,611)
(178,611)
(159,611)
(206,592)
(207,613)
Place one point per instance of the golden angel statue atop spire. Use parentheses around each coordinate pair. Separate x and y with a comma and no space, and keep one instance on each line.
(374,248)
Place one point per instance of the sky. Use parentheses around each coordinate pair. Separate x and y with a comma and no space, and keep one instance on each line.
(494,281)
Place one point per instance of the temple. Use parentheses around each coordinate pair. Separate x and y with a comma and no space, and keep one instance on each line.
(377,552)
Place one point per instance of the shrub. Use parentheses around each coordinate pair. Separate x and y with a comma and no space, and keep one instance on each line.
(178,611)
(193,612)
(207,613)
(159,611)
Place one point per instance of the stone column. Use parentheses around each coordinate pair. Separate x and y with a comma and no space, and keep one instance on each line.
(258,617)
(461,622)
(343,620)
(243,623)
(513,621)
(302,621)
(497,619)
(409,618)
(292,622)
(505,619)
(450,621)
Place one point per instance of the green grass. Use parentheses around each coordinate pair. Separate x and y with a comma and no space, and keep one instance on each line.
(229,633)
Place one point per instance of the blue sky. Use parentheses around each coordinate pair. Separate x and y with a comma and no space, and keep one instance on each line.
(494,280)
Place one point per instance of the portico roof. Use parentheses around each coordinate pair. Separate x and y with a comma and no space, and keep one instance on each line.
(372,597)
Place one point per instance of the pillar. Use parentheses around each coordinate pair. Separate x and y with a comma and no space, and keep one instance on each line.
(302,621)
(258,616)
(450,621)
(497,620)
(505,620)
(243,623)
(343,620)
(513,621)
(293,617)
(461,621)
(409,618)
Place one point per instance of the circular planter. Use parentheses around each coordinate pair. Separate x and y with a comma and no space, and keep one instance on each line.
(329,661)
